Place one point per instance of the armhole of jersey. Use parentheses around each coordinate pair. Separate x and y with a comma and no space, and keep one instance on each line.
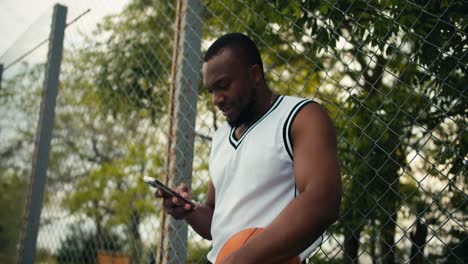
(308,252)
(288,124)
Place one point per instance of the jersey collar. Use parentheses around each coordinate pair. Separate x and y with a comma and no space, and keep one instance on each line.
(236,142)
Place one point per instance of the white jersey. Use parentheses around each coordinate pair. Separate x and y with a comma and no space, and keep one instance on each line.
(253,176)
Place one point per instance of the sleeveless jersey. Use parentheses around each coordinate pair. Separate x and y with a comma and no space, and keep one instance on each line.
(253,176)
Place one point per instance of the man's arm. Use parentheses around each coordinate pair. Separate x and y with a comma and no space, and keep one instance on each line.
(200,219)
(318,179)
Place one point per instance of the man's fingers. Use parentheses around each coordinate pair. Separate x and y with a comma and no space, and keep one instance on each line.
(173,205)
(183,188)
(159,193)
(173,202)
(168,204)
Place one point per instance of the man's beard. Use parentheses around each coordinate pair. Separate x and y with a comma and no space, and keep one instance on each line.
(245,114)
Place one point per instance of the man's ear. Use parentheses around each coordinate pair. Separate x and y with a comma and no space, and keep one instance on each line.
(256,72)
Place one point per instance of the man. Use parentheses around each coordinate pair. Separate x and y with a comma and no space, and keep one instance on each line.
(274,165)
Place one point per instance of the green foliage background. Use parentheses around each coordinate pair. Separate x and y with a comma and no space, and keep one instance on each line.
(391,74)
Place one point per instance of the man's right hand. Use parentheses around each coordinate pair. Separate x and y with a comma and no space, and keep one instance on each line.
(174,206)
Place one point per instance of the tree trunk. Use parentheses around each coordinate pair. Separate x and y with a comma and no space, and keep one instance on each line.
(135,222)
(99,232)
(387,243)
(135,236)
(418,238)
(351,246)
(373,241)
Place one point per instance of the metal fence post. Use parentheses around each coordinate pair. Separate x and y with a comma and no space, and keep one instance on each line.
(40,159)
(172,246)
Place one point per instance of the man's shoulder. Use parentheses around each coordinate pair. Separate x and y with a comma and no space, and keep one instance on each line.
(293,100)
(222,130)
(292,105)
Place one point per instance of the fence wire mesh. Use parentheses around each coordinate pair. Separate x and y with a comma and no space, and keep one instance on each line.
(20,92)
(391,74)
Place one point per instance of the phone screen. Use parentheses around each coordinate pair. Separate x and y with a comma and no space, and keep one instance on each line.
(159,185)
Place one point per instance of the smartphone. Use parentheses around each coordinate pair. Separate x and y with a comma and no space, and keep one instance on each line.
(159,185)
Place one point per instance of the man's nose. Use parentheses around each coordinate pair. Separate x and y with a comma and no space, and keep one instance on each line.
(218,98)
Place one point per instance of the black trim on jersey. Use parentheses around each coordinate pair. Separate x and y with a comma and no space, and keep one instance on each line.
(289,120)
(235,143)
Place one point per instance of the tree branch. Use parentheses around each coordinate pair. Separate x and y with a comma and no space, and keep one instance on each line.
(204,137)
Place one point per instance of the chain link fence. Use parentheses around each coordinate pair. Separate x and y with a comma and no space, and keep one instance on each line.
(391,74)
(20,93)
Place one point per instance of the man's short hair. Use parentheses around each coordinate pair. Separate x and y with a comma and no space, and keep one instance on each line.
(240,44)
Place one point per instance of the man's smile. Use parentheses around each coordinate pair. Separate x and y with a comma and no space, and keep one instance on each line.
(226,111)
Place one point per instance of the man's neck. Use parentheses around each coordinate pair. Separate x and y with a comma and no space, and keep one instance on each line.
(266,100)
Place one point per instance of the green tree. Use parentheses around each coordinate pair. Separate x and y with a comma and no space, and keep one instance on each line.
(131,60)
(16,144)
(12,197)
(113,151)
(109,107)
(98,156)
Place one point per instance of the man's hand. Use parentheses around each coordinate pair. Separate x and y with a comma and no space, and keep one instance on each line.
(175,206)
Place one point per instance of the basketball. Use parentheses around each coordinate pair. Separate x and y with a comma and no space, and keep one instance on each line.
(239,239)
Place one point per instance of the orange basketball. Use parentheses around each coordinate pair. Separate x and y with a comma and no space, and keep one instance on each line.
(239,239)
